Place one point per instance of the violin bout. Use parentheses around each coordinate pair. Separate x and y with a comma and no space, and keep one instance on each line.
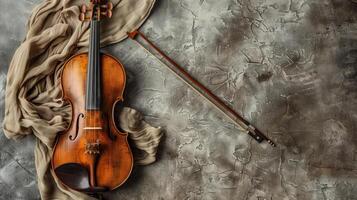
(92,155)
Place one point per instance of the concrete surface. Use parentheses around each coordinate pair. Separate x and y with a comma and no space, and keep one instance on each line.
(289,66)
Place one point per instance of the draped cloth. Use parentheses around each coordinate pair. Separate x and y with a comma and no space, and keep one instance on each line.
(33,103)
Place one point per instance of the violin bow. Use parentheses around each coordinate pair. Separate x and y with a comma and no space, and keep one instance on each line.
(200,89)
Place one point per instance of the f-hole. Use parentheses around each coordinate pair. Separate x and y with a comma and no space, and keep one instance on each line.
(71,137)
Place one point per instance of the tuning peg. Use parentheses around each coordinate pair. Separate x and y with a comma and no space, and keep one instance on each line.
(108,6)
(83,17)
(83,9)
(108,14)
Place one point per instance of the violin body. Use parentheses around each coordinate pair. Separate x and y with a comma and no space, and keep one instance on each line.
(92,143)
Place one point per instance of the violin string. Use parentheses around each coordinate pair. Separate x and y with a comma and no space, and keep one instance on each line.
(88,71)
(91,73)
(96,74)
(90,103)
(95,69)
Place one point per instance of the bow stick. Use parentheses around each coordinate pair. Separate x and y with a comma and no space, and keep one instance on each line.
(201,89)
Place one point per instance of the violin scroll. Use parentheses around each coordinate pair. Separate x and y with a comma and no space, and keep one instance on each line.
(96,10)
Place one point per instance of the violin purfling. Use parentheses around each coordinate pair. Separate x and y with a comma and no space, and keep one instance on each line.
(93,155)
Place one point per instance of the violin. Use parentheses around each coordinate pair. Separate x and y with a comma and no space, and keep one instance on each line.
(93,155)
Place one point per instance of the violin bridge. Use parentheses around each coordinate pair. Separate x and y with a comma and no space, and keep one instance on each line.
(93,148)
(92,128)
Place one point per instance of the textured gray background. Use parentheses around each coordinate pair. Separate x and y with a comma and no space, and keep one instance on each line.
(289,66)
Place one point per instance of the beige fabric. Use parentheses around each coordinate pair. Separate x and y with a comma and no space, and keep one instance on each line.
(33,104)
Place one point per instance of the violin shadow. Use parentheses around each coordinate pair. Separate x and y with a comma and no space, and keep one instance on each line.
(138,173)
(156,7)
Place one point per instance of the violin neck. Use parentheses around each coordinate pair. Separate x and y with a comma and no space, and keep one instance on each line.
(93,87)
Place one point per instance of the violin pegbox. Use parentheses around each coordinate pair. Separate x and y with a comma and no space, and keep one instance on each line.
(96,10)
(85,14)
(107,10)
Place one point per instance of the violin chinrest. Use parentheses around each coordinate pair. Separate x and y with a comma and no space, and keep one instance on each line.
(76,176)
